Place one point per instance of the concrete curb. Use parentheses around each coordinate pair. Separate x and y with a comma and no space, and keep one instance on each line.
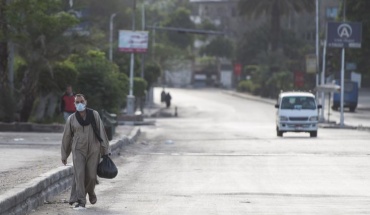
(28,196)
(31,127)
(251,97)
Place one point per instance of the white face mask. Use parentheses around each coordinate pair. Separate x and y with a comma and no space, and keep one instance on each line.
(80,107)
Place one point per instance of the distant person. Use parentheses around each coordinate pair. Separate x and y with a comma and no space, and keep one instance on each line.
(84,135)
(67,104)
(168,100)
(163,95)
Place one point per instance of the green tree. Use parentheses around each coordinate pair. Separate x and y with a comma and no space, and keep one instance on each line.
(357,11)
(100,81)
(255,44)
(152,73)
(180,19)
(140,86)
(36,27)
(206,25)
(219,47)
(275,9)
(7,107)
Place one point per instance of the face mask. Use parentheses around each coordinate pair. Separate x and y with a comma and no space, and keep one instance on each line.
(80,107)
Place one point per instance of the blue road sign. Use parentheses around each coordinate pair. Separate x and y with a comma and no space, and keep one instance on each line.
(344,34)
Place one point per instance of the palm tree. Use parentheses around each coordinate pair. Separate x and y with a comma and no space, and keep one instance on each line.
(275,8)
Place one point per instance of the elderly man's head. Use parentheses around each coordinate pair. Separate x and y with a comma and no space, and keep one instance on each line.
(80,102)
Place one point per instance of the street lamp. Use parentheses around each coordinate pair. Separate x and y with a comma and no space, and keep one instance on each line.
(130,107)
(111,36)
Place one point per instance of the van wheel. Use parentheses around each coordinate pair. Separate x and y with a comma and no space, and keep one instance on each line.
(352,109)
(279,133)
(313,134)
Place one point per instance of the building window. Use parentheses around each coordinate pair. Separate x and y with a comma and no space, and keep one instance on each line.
(331,12)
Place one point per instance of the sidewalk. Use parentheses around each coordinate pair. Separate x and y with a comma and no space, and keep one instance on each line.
(31,169)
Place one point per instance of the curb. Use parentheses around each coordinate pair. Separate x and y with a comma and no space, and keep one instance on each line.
(28,196)
(31,127)
(250,97)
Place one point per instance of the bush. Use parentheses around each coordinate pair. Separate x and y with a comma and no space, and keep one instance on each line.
(99,79)
(247,86)
(152,72)
(139,87)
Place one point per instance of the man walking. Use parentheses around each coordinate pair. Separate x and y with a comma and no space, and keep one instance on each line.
(67,105)
(85,137)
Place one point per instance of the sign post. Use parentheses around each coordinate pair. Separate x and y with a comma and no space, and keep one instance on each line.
(132,42)
(343,35)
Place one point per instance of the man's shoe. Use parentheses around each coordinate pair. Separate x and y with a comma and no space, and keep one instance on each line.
(79,206)
(93,199)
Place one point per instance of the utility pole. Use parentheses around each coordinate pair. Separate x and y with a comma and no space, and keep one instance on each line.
(317,45)
(342,73)
(143,28)
(111,36)
(131,98)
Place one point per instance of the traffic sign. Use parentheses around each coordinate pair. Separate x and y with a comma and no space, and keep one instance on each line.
(133,41)
(344,34)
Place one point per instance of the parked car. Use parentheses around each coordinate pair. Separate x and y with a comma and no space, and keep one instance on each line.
(297,112)
(350,96)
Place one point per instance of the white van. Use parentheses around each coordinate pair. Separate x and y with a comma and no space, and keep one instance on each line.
(297,112)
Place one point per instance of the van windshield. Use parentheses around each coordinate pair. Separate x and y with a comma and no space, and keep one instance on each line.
(298,102)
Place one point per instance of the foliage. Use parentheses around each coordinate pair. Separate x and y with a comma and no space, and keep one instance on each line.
(7,107)
(275,9)
(279,81)
(247,86)
(100,81)
(164,53)
(36,29)
(65,73)
(266,83)
(207,63)
(208,26)
(180,18)
(152,73)
(219,47)
(253,50)
(357,11)
(140,86)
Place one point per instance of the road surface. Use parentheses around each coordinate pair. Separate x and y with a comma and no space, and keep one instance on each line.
(221,155)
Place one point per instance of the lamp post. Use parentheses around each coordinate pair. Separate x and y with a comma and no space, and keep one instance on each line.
(342,73)
(130,108)
(317,45)
(111,36)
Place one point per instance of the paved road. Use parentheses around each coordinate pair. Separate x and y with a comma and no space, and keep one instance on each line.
(222,156)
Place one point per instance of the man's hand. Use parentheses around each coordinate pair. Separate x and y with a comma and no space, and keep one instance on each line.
(64,162)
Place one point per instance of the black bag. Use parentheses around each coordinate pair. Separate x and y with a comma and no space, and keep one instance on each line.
(107,169)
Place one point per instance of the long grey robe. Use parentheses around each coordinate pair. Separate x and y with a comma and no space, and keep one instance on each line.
(86,151)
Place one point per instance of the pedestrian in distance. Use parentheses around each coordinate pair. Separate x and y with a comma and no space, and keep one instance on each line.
(84,135)
(163,95)
(67,105)
(168,100)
